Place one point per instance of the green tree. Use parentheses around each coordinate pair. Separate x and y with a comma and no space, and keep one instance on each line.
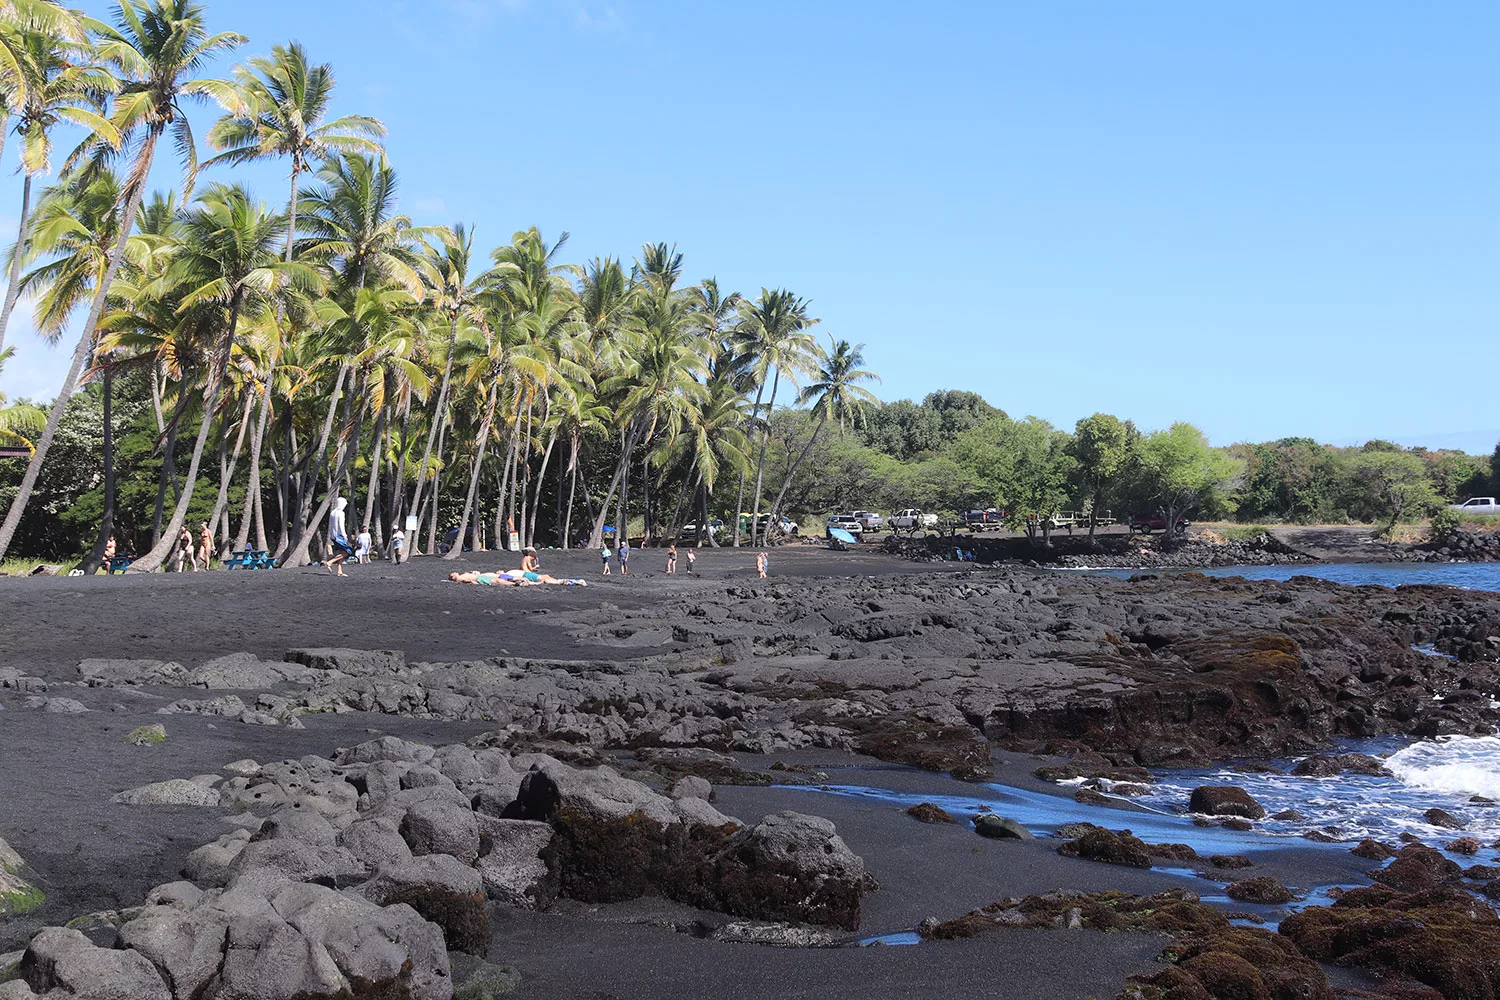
(1397,483)
(1101,447)
(17,419)
(1180,472)
(1037,485)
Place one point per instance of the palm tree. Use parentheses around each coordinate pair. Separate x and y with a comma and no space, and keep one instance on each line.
(229,263)
(836,395)
(352,226)
(283,104)
(17,19)
(156,48)
(772,331)
(62,84)
(456,297)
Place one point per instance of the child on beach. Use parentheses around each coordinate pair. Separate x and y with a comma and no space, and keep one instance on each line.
(762,563)
(529,562)
(604,554)
(672,558)
(398,542)
(364,542)
(692,560)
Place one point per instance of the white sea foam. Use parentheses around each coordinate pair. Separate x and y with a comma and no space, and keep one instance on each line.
(1457,765)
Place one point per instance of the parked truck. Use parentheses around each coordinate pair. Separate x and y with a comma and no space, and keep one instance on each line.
(911,519)
(1477,505)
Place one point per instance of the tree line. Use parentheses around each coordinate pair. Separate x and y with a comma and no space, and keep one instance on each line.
(276,357)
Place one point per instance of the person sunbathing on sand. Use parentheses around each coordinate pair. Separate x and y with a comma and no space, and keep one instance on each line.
(513,578)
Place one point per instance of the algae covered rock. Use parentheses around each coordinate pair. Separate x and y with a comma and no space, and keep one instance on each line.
(172,792)
(927,812)
(17,895)
(147,736)
(1261,889)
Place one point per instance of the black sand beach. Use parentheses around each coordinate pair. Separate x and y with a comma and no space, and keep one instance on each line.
(58,770)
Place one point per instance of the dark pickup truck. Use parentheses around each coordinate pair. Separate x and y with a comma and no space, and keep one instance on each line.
(1156,522)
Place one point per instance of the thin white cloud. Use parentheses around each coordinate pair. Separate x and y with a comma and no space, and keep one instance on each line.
(601,19)
(430,206)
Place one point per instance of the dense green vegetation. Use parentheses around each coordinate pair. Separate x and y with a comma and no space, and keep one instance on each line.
(244,363)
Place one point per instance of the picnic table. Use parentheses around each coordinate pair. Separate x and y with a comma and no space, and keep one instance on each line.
(250,559)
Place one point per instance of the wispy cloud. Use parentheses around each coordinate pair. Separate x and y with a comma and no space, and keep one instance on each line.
(601,19)
(430,206)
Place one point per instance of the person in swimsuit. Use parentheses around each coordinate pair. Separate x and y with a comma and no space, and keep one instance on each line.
(529,562)
(672,558)
(185,551)
(604,554)
(205,543)
(692,560)
(762,563)
(512,578)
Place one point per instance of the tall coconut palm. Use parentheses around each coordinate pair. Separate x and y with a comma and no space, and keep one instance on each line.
(77,225)
(62,84)
(229,264)
(352,225)
(17,19)
(284,104)
(837,395)
(156,48)
(455,295)
(772,331)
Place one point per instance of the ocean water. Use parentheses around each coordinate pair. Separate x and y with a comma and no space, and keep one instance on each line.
(1467,576)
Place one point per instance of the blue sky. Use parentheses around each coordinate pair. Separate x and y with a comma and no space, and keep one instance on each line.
(1268,219)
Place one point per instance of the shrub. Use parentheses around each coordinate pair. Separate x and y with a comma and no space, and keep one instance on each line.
(1444,523)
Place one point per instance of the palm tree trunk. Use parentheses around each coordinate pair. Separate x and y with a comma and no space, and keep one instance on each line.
(90,565)
(597,536)
(437,414)
(776,507)
(375,461)
(739,500)
(567,519)
(484,438)
(156,396)
(152,560)
(536,502)
(221,502)
(13,289)
(80,353)
(760,466)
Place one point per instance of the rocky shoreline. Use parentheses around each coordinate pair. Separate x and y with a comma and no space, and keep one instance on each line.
(605,781)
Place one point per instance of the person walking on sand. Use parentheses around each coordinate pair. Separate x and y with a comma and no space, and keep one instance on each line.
(624,557)
(692,560)
(672,558)
(338,539)
(762,563)
(363,540)
(185,550)
(398,542)
(205,543)
(604,554)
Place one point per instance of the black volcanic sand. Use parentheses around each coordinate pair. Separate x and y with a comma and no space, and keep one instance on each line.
(57,773)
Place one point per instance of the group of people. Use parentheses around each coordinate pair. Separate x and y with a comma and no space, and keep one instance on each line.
(341,549)
(762,559)
(188,555)
(530,574)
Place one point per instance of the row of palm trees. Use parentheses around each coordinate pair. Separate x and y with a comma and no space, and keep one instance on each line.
(351,351)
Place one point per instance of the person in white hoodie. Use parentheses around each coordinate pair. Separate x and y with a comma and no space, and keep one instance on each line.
(338,539)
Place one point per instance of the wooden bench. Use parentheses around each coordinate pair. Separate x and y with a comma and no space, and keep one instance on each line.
(119,564)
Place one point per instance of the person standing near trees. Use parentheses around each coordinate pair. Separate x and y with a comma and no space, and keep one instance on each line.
(692,560)
(205,543)
(398,543)
(338,539)
(672,558)
(624,557)
(364,542)
(185,552)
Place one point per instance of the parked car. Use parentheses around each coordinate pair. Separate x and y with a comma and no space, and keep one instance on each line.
(979,520)
(691,530)
(871,520)
(1155,522)
(848,522)
(1477,505)
(911,518)
(451,535)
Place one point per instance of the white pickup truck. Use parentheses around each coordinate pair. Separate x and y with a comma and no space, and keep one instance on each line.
(911,518)
(1477,505)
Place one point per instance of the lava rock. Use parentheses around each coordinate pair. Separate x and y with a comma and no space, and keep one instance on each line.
(1000,828)
(1262,889)
(1225,800)
(926,812)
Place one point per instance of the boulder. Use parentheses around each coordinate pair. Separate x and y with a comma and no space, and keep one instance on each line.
(303,824)
(241,672)
(1373,850)
(1443,818)
(1000,828)
(209,864)
(1416,868)
(1225,800)
(172,792)
(1115,847)
(1262,889)
(267,864)
(926,812)
(1328,766)
(355,662)
(690,786)
(510,859)
(120,673)
(62,959)
(1464,845)
(17,894)
(443,890)
(1230,861)
(147,736)
(375,840)
(441,826)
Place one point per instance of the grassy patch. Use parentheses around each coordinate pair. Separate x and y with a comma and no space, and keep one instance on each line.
(147,736)
(24,566)
(1243,532)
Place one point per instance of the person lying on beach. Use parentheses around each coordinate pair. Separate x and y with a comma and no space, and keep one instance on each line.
(513,578)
